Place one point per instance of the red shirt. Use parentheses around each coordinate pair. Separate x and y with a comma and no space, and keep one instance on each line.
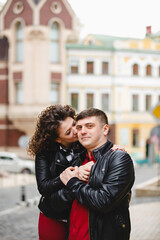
(79,217)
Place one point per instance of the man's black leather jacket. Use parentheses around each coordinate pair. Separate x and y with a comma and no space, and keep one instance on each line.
(107,194)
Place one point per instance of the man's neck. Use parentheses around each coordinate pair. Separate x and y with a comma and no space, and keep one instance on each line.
(89,153)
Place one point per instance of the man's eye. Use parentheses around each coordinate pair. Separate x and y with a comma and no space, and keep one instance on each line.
(78,128)
(90,125)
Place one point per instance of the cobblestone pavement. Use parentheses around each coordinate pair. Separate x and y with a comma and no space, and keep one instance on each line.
(20,222)
(145,220)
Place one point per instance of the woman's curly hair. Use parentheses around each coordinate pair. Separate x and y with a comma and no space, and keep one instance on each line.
(47,128)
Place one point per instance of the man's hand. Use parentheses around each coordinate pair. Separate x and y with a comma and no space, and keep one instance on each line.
(84,171)
(69,173)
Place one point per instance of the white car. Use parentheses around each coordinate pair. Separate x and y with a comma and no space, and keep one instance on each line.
(11,162)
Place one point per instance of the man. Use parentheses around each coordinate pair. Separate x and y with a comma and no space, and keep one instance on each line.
(100,209)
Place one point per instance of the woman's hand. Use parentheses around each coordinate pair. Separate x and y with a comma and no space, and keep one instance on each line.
(84,171)
(69,173)
(118,147)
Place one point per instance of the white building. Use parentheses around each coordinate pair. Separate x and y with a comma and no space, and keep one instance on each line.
(122,77)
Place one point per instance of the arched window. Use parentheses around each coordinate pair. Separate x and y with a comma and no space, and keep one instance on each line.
(54,44)
(148,70)
(135,69)
(19,42)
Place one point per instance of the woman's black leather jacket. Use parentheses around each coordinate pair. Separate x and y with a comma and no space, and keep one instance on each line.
(107,195)
(48,166)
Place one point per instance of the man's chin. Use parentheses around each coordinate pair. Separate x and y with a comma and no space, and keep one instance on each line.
(85,143)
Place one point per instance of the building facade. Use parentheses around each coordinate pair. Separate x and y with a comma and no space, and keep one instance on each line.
(43,62)
(33,35)
(122,77)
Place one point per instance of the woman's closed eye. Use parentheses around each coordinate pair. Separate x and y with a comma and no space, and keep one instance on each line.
(68,132)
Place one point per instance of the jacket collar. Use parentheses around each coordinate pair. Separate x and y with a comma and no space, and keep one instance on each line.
(98,152)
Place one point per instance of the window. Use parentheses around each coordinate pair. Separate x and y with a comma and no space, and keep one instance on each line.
(90,67)
(54,96)
(18,93)
(74,67)
(148,70)
(74,100)
(54,47)
(105,101)
(135,100)
(135,137)
(19,42)
(105,68)
(90,99)
(135,70)
(148,102)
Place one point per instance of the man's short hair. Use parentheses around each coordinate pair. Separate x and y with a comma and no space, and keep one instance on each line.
(93,112)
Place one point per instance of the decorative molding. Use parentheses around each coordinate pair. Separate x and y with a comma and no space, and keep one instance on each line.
(56,7)
(18,7)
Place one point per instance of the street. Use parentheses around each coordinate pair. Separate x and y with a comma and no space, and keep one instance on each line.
(19,221)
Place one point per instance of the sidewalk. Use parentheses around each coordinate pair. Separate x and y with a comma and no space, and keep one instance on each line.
(145,221)
(13,180)
(145,217)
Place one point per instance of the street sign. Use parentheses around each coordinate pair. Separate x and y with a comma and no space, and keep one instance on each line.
(156,111)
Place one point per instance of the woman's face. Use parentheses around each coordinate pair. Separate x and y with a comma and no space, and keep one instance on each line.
(67,132)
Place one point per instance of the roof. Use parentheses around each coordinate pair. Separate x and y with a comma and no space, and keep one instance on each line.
(111,43)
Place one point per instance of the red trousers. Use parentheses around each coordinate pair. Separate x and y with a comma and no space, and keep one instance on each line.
(50,229)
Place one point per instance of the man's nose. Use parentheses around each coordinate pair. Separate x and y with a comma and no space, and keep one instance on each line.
(83,130)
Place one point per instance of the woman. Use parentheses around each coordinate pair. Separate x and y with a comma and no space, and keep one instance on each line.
(54,145)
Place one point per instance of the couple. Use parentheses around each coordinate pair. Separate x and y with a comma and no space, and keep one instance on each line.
(85,182)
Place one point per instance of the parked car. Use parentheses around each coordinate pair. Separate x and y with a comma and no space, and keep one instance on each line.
(11,162)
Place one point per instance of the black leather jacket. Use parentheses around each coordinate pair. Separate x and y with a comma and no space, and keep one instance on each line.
(107,195)
(49,165)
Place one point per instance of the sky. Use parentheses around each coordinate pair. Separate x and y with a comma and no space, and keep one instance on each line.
(124,18)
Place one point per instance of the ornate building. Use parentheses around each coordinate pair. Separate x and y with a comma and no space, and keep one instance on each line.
(33,35)
(42,62)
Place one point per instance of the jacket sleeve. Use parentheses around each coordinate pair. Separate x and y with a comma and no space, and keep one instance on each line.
(61,200)
(116,184)
(46,184)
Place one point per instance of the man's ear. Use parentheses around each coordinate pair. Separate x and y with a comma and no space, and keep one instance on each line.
(106,129)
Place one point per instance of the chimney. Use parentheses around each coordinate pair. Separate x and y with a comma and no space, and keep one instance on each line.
(148,30)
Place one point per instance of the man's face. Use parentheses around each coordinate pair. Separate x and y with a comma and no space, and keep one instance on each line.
(67,132)
(91,132)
